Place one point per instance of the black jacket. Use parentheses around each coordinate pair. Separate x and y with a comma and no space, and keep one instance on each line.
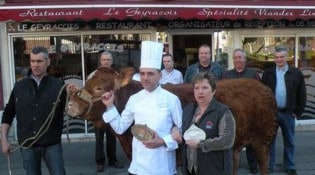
(295,86)
(31,104)
(246,73)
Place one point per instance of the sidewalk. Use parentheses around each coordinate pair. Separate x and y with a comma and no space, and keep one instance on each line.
(79,158)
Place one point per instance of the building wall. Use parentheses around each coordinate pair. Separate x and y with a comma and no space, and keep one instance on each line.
(232,39)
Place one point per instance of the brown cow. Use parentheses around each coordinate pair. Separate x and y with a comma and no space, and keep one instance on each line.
(251,102)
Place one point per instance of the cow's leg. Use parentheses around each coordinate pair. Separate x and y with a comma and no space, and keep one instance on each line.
(262,157)
(178,158)
(126,141)
(236,160)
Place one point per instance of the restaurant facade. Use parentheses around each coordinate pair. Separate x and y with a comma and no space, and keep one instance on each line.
(75,32)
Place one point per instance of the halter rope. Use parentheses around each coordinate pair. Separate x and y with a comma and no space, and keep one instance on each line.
(87,97)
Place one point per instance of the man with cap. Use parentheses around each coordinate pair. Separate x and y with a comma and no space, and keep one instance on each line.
(153,107)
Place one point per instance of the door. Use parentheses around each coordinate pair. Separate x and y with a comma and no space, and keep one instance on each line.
(185,48)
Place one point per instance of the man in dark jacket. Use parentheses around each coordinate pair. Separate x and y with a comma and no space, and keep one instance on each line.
(105,60)
(241,71)
(288,85)
(34,101)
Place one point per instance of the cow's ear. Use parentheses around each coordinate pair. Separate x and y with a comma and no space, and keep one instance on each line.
(118,82)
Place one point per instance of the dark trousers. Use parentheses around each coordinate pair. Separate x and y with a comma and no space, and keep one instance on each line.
(190,173)
(251,160)
(110,146)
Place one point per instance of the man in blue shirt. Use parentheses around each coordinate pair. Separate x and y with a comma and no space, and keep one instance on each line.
(288,85)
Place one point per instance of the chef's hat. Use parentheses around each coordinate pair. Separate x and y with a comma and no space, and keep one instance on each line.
(151,54)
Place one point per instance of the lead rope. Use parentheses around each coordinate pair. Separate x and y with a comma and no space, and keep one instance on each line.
(9,164)
(43,129)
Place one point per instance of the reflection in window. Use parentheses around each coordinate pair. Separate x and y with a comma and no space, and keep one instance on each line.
(260,50)
(1,92)
(125,49)
(306,55)
(306,51)
(64,54)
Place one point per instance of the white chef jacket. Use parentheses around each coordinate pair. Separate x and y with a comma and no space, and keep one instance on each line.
(160,110)
(173,77)
(136,77)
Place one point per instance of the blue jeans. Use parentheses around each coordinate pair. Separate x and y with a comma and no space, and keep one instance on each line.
(52,156)
(287,124)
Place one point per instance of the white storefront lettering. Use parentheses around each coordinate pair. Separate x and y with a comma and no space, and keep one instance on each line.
(222,12)
(307,12)
(96,47)
(281,12)
(143,13)
(46,13)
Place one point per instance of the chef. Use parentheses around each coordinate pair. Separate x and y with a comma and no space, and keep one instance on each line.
(153,107)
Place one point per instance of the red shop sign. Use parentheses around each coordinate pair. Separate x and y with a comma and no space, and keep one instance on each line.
(154,13)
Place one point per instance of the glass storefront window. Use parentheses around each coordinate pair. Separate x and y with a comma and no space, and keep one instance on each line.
(68,63)
(1,93)
(125,49)
(64,54)
(306,55)
(259,50)
(185,48)
(306,51)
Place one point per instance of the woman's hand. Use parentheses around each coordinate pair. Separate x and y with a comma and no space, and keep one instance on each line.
(193,143)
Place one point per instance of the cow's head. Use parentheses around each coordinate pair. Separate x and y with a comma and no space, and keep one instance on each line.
(86,103)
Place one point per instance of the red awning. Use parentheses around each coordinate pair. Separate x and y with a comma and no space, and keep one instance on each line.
(155,12)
